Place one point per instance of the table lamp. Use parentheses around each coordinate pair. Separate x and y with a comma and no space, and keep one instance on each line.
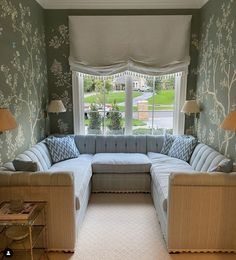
(229,122)
(7,121)
(56,106)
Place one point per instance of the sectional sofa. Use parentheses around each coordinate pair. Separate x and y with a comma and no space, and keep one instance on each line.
(196,208)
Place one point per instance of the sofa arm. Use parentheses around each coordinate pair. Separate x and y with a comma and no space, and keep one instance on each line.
(201,212)
(57,189)
(203,179)
(36,178)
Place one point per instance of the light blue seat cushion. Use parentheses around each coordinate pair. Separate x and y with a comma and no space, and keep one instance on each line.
(82,172)
(162,166)
(121,163)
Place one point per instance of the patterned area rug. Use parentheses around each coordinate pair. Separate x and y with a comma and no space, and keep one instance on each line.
(125,227)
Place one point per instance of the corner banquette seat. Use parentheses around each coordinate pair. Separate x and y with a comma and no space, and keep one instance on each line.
(182,191)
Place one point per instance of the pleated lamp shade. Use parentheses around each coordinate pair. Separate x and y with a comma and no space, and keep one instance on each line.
(56,106)
(229,122)
(190,106)
(7,121)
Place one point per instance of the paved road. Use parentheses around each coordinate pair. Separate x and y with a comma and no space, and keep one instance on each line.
(162,119)
(144,96)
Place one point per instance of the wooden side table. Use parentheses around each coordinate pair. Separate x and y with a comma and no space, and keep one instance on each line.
(33,243)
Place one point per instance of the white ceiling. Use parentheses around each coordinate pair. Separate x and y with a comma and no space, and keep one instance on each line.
(121,4)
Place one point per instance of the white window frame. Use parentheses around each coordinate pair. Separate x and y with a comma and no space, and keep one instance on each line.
(78,103)
(180,97)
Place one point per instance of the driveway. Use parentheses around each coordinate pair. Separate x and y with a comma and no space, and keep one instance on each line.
(144,96)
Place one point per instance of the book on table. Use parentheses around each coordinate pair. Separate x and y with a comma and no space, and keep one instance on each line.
(6,213)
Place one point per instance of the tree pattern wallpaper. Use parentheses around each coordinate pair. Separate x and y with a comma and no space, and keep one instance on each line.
(216,84)
(23,74)
(34,65)
(60,77)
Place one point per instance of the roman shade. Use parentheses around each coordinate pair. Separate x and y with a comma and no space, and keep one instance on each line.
(107,45)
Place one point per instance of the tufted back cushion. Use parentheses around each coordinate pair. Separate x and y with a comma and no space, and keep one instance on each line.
(92,144)
(38,153)
(205,158)
(86,143)
(121,144)
(155,143)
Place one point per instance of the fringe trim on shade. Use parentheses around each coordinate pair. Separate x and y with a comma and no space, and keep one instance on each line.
(128,73)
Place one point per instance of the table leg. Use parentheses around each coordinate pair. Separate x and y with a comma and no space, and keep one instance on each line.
(31,243)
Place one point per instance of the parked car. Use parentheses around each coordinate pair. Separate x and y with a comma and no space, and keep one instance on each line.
(145,88)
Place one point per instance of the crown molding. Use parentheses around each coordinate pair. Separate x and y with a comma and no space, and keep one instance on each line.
(122,4)
(202,2)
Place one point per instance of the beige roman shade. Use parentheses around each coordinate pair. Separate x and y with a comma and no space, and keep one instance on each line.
(152,45)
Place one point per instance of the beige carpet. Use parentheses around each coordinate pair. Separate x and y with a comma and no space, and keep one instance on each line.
(125,227)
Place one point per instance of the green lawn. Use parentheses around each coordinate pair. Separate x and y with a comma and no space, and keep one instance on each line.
(162,100)
(161,108)
(136,122)
(119,96)
(164,97)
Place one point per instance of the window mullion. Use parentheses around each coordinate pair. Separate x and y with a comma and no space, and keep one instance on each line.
(153,102)
(104,104)
(180,96)
(128,104)
(78,102)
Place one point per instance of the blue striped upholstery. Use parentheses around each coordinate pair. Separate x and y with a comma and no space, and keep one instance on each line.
(38,153)
(204,158)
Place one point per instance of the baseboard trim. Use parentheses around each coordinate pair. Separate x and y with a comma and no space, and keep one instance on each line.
(177,251)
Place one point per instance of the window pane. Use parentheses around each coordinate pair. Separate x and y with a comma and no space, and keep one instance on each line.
(141,115)
(93,106)
(164,96)
(153,109)
(163,122)
(115,106)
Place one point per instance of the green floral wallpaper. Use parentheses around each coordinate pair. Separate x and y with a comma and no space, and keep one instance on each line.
(216,83)
(23,74)
(59,75)
(25,69)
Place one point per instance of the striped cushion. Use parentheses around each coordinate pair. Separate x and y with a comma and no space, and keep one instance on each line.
(62,148)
